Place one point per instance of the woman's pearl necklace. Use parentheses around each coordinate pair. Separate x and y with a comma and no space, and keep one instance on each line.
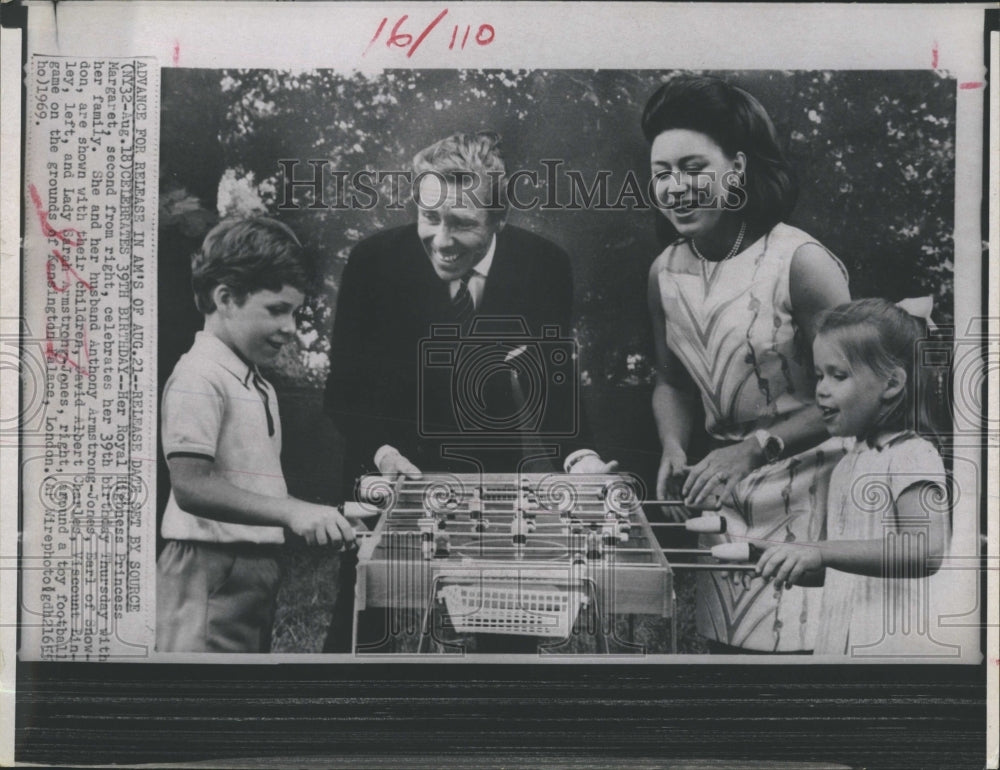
(732,252)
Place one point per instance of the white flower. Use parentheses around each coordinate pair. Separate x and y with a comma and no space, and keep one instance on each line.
(238,196)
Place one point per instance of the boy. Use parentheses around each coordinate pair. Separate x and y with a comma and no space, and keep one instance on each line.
(217,577)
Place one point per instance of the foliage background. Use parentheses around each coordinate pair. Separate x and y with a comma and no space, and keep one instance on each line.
(874,153)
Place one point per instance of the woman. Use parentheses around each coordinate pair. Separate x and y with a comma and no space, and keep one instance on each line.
(734,298)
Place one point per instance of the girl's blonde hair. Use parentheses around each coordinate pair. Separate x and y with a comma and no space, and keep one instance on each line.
(883,337)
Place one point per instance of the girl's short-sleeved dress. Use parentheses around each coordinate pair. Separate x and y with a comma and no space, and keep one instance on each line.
(884,617)
(730,324)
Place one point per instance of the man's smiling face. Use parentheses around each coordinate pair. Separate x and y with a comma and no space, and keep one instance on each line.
(455,231)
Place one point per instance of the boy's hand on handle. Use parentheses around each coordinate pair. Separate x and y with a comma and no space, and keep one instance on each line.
(673,466)
(720,471)
(791,563)
(320,524)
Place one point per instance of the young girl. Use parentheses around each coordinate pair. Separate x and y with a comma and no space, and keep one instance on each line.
(887,511)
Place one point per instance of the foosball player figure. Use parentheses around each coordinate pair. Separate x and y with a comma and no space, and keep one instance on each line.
(609,534)
(427,527)
(527,504)
(442,545)
(519,530)
(594,547)
(476,504)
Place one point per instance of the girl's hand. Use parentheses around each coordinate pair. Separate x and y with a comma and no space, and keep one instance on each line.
(673,465)
(722,469)
(789,563)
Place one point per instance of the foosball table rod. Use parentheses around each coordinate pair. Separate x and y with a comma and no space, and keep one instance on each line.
(709,524)
(715,567)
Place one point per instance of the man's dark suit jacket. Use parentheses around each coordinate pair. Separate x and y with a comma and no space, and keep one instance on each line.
(390,299)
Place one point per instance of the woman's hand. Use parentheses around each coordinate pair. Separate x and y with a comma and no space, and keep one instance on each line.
(673,466)
(722,469)
(789,563)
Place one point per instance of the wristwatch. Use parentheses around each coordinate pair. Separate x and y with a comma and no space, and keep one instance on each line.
(772,446)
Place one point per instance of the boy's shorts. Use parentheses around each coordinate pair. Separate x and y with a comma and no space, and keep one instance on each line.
(215,597)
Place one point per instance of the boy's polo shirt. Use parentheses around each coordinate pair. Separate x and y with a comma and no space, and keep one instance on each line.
(211,408)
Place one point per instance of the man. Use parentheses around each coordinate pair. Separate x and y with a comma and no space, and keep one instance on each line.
(402,284)
(397,389)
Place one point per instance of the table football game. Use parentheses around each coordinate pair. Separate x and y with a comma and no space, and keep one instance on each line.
(526,555)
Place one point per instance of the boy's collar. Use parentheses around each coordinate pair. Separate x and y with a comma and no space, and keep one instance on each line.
(226,357)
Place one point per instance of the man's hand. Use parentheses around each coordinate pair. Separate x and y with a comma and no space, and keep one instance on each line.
(319,524)
(391,463)
(593,463)
(791,563)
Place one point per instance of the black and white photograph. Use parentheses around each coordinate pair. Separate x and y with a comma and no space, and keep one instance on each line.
(486,370)
(652,371)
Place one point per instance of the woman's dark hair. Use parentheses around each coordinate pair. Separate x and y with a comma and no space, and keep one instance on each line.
(249,255)
(737,122)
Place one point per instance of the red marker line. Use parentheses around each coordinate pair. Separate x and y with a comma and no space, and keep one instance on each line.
(426,32)
(934,55)
(970,86)
(378,32)
(67,268)
(76,239)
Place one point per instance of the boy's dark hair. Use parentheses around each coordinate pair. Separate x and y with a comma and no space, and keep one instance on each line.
(737,122)
(249,255)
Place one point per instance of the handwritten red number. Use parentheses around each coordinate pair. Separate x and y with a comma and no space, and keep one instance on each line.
(426,32)
(485,34)
(381,26)
(399,39)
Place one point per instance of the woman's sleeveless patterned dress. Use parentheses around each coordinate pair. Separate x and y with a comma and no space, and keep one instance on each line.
(730,324)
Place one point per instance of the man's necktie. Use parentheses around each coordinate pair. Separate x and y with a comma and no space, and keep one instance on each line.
(258,383)
(462,305)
